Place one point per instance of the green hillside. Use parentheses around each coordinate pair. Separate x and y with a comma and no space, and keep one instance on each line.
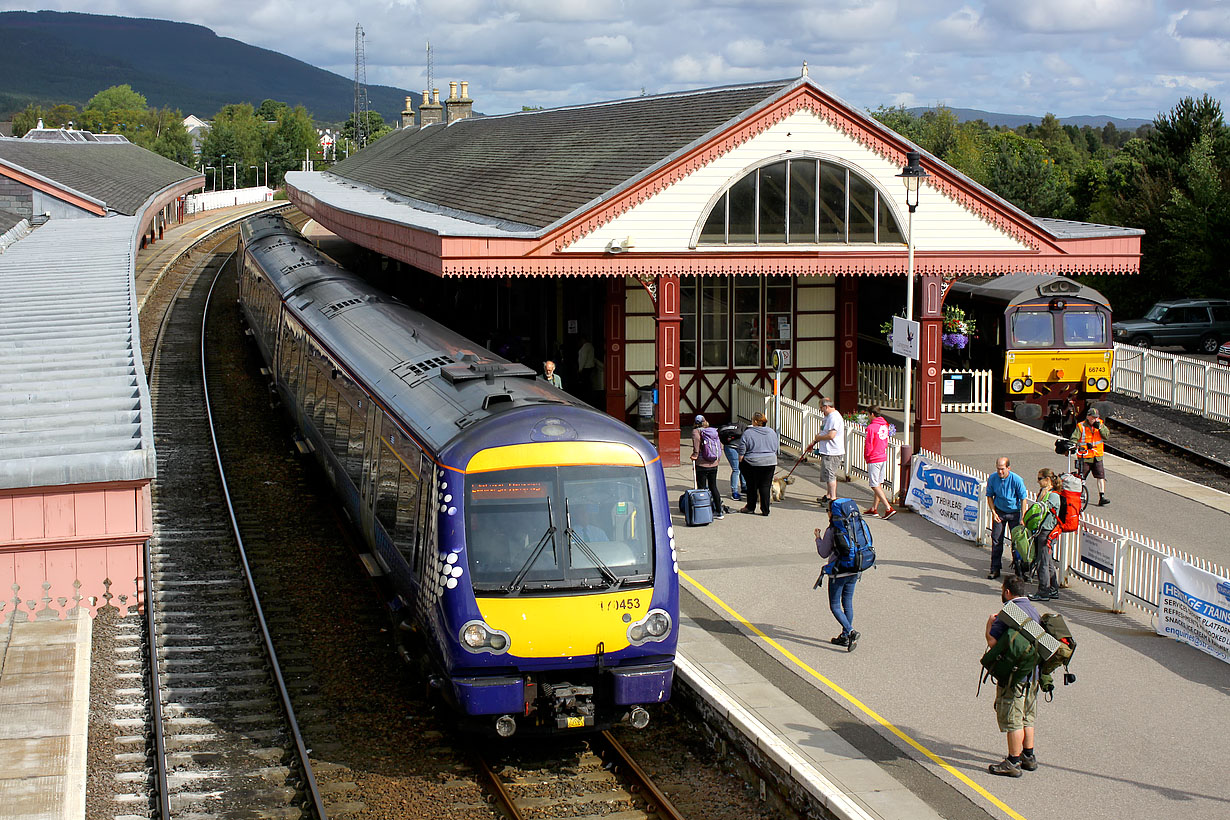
(51,57)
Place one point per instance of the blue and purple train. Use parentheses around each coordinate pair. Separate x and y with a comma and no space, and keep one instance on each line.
(524,538)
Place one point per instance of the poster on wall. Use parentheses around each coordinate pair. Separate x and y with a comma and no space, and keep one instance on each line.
(944,496)
(1194,607)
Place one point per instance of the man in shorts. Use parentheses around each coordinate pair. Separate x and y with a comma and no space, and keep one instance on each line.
(1016,707)
(832,442)
(1089,436)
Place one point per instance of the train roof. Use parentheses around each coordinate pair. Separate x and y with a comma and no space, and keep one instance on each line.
(433,378)
(1014,288)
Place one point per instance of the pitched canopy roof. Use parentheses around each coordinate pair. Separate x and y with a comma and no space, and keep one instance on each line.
(120,176)
(536,167)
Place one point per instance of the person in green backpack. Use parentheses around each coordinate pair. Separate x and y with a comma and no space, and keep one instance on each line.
(1016,692)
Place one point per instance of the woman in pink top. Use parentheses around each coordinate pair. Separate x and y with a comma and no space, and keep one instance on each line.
(875,453)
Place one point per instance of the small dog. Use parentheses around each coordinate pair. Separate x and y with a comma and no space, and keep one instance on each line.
(777,490)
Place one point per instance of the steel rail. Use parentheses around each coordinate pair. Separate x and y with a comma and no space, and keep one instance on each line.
(498,789)
(1152,439)
(661,805)
(309,777)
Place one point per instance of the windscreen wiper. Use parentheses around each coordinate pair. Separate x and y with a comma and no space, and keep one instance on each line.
(549,535)
(607,572)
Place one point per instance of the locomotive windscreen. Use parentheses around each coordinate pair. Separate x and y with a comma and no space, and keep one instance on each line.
(602,533)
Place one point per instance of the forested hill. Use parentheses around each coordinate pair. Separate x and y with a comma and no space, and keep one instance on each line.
(49,57)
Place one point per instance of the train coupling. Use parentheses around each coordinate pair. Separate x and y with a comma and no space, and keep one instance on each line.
(571,706)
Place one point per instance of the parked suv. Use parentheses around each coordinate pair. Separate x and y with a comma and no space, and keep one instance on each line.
(1197,324)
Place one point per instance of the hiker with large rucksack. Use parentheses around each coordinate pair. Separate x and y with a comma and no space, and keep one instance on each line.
(1031,538)
(706,454)
(1049,495)
(1024,651)
(846,544)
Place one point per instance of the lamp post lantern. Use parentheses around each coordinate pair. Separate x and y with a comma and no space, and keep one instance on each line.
(912,175)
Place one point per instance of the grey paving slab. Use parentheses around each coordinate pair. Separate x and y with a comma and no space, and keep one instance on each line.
(1141,734)
(31,659)
(34,688)
(45,632)
(32,798)
(32,757)
(34,720)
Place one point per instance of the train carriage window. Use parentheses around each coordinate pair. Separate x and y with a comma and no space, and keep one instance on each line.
(341,437)
(329,426)
(354,452)
(1033,328)
(388,476)
(427,495)
(1085,328)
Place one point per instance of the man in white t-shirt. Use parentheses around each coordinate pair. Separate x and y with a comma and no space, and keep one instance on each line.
(832,441)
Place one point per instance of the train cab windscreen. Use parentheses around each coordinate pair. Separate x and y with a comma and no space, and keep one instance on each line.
(1084,328)
(1032,328)
(540,529)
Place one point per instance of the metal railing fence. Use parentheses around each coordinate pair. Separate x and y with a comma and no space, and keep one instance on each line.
(1180,382)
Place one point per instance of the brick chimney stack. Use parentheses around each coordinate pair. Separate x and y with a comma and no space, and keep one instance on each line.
(459,107)
(432,112)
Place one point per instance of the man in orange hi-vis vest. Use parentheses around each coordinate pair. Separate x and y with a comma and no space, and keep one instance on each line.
(1089,436)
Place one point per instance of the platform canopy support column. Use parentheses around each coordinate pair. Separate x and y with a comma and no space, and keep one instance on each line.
(613,320)
(931,321)
(847,343)
(668,319)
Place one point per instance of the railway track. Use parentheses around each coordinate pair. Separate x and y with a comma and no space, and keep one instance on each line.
(1153,449)
(225,739)
(600,780)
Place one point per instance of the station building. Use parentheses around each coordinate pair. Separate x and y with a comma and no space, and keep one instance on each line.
(688,236)
(76,428)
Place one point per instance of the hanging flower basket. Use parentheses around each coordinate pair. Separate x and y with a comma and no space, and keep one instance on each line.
(958,328)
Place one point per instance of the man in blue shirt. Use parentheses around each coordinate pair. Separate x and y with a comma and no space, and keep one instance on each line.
(1007,500)
(1016,707)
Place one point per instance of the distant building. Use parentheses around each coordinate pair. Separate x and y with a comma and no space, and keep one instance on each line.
(197,128)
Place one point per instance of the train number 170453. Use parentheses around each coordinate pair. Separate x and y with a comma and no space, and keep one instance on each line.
(619,603)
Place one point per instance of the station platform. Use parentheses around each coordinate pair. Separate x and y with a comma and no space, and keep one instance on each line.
(1140,734)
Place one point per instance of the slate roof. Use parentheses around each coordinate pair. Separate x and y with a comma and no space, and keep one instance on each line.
(536,167)
(123,176)
(74,405)
(1070,229)
(9,220)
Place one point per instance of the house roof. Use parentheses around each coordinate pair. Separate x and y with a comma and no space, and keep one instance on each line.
(121,176)
(9,220)
(537,167)
(74,405)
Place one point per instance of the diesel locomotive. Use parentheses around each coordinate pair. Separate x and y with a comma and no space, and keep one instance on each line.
(523,538)
(1047,337)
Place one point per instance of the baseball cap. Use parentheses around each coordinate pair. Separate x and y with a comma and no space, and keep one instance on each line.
(1093,413)
(698,420)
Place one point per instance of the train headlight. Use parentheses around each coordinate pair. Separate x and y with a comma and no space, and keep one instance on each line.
(1018,385)
(1103,384)
(655,626)
(477,637)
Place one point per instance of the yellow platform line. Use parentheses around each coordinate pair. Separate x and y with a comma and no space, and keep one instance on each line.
(939,761)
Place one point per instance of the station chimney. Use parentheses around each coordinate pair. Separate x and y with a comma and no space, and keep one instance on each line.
(459,107)
(431,112)
(407,114)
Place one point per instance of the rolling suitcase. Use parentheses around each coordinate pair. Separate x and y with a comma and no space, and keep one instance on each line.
(696,506)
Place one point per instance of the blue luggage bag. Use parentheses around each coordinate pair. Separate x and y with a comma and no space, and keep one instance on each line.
(696,507)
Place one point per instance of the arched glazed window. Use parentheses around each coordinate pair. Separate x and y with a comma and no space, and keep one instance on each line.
(801,201)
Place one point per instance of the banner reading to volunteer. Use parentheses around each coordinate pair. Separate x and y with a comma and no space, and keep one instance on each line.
(944,496)
(1194,607)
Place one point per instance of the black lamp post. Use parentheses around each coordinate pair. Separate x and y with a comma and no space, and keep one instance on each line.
(912,175)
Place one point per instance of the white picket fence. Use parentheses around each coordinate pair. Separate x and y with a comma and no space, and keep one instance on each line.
(1180,382)
(799,425)
(210,200)
(1137,559)
(884,384)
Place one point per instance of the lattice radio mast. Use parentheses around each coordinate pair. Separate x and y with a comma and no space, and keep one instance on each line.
(362,122)
(431,69)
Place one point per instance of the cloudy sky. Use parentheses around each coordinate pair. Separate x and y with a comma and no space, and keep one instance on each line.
(1125,58)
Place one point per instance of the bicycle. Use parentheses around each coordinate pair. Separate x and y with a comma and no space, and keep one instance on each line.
(1067,447)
